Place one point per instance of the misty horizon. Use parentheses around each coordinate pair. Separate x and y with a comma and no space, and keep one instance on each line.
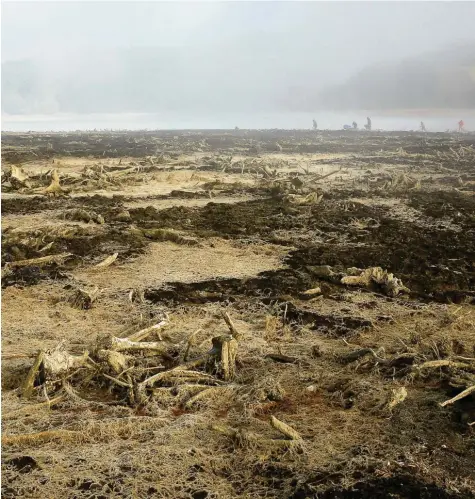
(232,56)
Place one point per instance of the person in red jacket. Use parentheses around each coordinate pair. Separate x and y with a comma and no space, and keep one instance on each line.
(461,126)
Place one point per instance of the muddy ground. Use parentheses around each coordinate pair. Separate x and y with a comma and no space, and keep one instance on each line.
(270,227)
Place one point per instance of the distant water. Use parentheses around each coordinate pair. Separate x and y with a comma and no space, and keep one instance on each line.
(179,121)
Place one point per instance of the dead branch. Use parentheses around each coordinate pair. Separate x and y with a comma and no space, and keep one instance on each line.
(107,262)
(38,262)
(143,333)
(29,382)
(117,381)
(203,394)
(242,437)
(124,344)
(285,429)
(190,342)
(231,326)
(115,360)
(434,364)
(178,374)
(317,178)
(468,391)
(58,361)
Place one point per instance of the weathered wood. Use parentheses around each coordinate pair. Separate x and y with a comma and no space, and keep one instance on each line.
(222,358)
(42,260)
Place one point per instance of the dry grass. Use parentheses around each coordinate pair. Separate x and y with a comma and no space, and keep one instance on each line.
(313,422)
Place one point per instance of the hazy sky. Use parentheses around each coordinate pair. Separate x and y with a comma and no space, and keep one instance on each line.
(354,32)
(225,54)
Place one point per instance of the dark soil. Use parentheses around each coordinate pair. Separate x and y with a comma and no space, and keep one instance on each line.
(425,235)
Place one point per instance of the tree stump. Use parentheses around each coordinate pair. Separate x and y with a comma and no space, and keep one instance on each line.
(222,360)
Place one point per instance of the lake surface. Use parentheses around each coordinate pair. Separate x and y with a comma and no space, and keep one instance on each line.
(179,121)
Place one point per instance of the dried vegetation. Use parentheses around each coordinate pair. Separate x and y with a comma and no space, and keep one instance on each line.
(347,371)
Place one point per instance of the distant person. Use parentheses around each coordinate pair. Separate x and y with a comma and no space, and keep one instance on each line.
(315,126)
(423,127)
(368,124)
(355,125)
(461,126)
